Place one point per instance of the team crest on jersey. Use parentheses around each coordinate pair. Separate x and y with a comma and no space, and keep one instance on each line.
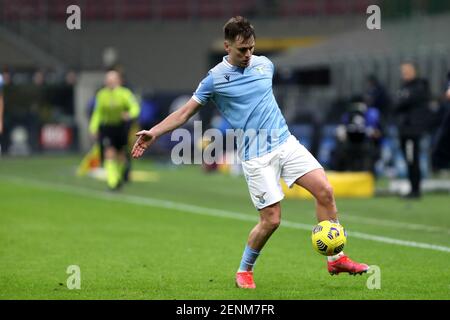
(227,76)
(260,69)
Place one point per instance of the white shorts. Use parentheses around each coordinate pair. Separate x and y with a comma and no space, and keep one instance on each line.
(289,161)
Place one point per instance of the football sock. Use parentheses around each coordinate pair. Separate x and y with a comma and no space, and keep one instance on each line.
(112,173)
(248,259)
(335,257)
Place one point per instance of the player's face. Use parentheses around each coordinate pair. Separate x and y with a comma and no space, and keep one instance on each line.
(240,51)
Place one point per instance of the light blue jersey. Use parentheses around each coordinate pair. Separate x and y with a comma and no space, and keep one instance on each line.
(245,98)
(1,82)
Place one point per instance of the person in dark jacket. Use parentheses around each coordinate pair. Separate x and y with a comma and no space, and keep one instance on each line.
(441,150)
(412,121)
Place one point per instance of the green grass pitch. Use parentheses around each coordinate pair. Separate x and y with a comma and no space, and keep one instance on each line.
(182,237)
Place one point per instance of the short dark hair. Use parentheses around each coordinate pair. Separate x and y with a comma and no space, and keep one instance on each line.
(238,27)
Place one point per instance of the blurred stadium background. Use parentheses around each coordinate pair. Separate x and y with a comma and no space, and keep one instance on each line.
(322,51)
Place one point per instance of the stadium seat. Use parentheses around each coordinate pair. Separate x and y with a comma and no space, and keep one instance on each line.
(299,8)
(136,9)
(208,9)
(174,9)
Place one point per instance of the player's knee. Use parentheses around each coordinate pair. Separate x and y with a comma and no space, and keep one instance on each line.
(271,219)
(272,224)
(325,195)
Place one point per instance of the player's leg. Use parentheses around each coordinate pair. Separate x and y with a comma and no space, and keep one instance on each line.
(317,184)
(111,167)
(127,153)
(414,167)
(122,163)
(117,158)
(269,220)
(410,149)
(301,168)
(108,136)
(262,175)
(106,140)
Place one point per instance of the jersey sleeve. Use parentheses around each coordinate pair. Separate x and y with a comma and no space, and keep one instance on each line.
(269,63)
(272,66)
(1,83)
(204,90)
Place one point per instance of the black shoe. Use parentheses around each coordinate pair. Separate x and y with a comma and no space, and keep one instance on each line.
(412,195)
(117,187)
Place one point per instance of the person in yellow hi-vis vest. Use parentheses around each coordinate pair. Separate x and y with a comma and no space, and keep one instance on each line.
(115,107)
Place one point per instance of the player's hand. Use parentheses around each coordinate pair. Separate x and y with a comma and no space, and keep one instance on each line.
(144,141)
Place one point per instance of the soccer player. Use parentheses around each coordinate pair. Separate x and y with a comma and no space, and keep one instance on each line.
(241,87)
(114,107)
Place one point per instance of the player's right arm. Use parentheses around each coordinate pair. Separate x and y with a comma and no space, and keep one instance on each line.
(175,120)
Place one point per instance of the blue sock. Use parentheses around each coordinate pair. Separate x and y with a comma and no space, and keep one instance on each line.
(248,259)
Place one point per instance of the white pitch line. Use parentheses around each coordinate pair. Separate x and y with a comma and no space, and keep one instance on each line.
(394,224)
(184,207)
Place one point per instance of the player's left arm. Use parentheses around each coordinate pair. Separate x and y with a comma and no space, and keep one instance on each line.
(174,120)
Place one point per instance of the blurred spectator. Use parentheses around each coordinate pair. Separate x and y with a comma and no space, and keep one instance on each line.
(39,78)
(412,117)
(60,95)
(71,78)
(358,139)
(6,75)
(376,96)
(441,150)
